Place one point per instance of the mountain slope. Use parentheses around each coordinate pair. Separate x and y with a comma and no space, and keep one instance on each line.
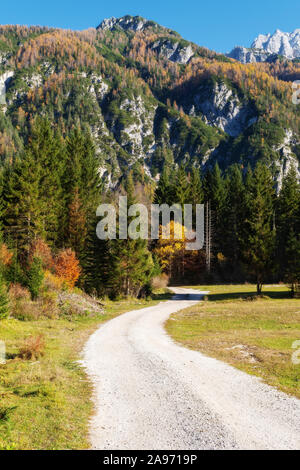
(149,98)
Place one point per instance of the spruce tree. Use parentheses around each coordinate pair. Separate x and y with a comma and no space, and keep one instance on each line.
(287,218)
(22,207)
(132,261)
(4,300)
(215,194)
(258,232)
(46,149)
(35,277)
(233,214)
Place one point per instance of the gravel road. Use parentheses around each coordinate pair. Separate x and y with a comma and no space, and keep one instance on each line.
(152,394)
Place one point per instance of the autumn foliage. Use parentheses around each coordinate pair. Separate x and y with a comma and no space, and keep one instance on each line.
(5,255)
(66,267)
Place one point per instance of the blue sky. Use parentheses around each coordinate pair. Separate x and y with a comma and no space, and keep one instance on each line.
(216,24)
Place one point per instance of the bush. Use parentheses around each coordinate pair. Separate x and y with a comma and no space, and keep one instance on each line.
(35,278)
(160,282)
(33,348)
(25,310)
(18,292)
(40,249)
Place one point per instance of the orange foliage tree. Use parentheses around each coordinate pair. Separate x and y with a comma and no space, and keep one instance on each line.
(67,267)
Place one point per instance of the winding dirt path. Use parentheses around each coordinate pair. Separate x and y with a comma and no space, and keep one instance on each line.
(151,393)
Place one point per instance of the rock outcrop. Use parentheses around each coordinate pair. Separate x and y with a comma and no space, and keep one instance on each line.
(174,50)
(220,106)
(266,47)
(127,23)
(4,81)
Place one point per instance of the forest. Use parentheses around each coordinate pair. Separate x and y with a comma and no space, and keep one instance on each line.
(49,199)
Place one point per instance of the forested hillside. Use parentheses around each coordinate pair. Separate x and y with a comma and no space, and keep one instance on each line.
(132,107)
(148,97)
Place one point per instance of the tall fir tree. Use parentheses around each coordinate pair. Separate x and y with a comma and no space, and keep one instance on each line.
(258,241)
(233,214)
(287,218)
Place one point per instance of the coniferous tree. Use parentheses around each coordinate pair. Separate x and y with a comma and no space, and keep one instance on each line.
(22,208)
(215,194)
(45,148)
(4,300)
(287,219)
(132,261)
(258,232)
(181,187)
(35,277)
(233,215)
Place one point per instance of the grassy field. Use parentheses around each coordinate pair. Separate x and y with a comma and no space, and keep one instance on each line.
(46,403)
(253,334)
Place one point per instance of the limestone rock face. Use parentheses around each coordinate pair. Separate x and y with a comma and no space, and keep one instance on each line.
(285,44)
(287,157)
(4,81)
(127,23)
(266,46)
(246,56)
(174,51)
(221,107)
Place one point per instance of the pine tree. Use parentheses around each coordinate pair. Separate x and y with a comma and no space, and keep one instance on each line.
(45,148)
(195,190)
(233,214)
(77,229)
(22,207)
(292,263)
(132,261)
(4,300)
(215,194)
(35,277)
(181,187)
(258,233)
(287,218)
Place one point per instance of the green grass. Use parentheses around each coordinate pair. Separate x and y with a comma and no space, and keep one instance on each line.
(253,334)
(46,403)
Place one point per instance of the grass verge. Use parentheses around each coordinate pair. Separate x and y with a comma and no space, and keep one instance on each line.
(45,403)
(253,334)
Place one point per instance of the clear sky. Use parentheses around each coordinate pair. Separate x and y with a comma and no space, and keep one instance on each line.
(216,24)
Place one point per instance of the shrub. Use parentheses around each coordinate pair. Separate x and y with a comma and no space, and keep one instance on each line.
(40,249)
(35,278)
(18,292)
(53,282)
(25,310)
(49,304)
(67,267)
(33,347)
(160,282)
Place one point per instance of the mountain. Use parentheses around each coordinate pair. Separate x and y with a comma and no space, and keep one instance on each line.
(148,97)
(269,47)
(285,44)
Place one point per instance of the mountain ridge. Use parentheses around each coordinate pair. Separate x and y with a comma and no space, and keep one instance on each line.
(148,97)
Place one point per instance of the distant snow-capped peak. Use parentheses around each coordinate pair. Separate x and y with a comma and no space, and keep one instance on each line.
(285,44)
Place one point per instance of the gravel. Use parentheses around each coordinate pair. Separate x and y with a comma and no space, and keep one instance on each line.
(153,394)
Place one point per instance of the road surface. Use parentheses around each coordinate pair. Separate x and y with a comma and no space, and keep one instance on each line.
(153,394)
